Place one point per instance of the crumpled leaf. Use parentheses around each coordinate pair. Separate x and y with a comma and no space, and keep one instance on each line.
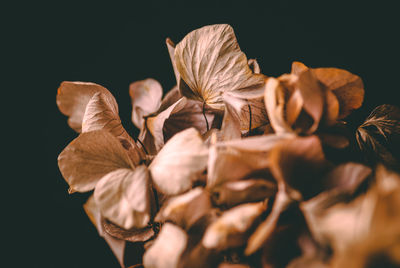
(72,98)
(379,136)
(167,248)
(233,160)
(230,230)
(131,235)
(91,156)
(146,99)
(185,209)
(179,163)
(211,63)
(125,197)
(233,193)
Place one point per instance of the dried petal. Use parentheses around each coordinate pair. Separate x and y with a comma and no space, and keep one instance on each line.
(91,156)
(146,99)
(211,63)
(131,235)
(379,136)
(167,248)
(124,197)
(185,209)
(230,230)
(102,113)
(72,98)
(171,52)
(179,163)
(237,192)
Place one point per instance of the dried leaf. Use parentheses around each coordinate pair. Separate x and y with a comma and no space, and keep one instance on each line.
(171,52)
(211,63)
(185,209)
(72,98)
(167,248)
(124,197)
(91,156)
(131,235)
(230,230)
(146,99)
(379,136)
(179,163)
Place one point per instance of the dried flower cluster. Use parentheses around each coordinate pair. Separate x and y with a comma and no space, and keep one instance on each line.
(233,168)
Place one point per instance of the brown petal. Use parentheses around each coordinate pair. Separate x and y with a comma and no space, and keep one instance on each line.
(210,61)
(179,163)
(298,67)
(231,229)
(132,235)
(125,197)
(237,192)
(91,156)
(235,159)
(72,98)
(146,99)
(347,87)
(167,248)
(185,209)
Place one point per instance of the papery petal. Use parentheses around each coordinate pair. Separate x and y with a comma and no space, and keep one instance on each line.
(186,209)
(179,163)
(91,156)
(210,62)
(167,248)
(131,235)
(125,197)
(230,230)
(146,99)
(347,87)
(72,98)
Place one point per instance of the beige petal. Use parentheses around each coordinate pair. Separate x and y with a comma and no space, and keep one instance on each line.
(275,105)
(125,197)
(232,160)
(146,99)
(230,230)
(186,209)
(102,113)
(231,125)
(210,61)
(179,163)
(251,113)
(167,248)
(91,156)
(117,246)
(72,98)
(347,87)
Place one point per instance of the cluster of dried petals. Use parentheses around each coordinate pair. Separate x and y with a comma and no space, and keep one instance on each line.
(231,169)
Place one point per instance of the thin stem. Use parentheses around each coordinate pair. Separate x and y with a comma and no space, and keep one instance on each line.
(204,114)
(144,148)
(250,115)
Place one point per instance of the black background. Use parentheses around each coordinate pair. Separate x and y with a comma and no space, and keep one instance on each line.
(116,44)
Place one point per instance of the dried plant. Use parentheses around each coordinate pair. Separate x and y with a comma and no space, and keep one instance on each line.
(230,167)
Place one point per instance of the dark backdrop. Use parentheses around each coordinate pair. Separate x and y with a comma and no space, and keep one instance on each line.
(116,44)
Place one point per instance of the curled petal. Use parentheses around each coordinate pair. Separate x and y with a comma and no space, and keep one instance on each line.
(72,98)
(125,197)
(146,99)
